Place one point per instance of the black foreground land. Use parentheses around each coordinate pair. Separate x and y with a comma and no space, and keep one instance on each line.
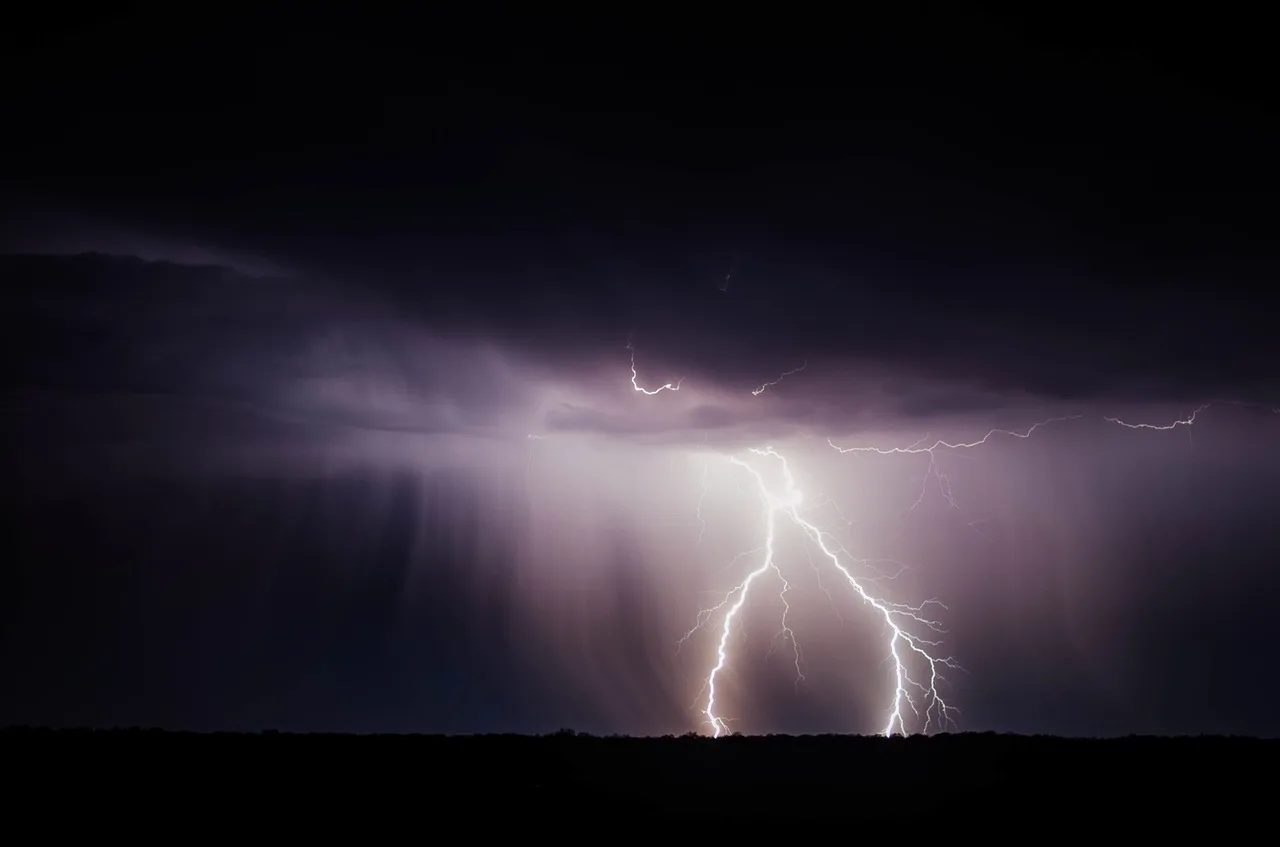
(987,780)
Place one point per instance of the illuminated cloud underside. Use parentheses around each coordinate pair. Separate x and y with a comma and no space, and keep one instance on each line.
(626,500)
(915,698)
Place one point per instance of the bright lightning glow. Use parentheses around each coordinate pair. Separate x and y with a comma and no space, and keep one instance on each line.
(916,702)
(905,625)
(635,377)
(756,392)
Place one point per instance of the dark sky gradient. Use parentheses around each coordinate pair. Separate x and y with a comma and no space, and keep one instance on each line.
(269,462)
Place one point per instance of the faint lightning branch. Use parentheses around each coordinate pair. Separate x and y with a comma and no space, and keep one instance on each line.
(785,634)
(1190,420)
(702,524)
(756,392)
(1187,421)
(635,377)
(933,471)
(915,695)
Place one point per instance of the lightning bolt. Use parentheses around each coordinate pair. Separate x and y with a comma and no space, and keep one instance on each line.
(756,392)
(635,377)
(912,643)
(906,626)
(911,640)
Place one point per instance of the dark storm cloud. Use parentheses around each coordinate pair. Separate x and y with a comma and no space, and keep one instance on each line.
(987,336)
(326,355)
(968,227)
(36,225)
(241,497)
(125,331)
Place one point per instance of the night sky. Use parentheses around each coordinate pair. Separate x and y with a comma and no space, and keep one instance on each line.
(318,343)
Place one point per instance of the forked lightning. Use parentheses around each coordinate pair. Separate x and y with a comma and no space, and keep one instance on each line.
(905,625)
(912,642)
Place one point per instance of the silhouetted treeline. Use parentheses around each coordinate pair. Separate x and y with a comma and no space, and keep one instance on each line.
(1135,778)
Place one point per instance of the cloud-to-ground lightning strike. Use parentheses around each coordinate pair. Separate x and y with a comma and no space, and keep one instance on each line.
(635,377)
(916,703)
(756,392)
(909,628)
(904,624)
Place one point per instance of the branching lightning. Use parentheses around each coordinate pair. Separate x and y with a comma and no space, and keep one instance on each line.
(1189,420)
(933,471)
(756,392)
(906,626)
(913,645)
(912,637)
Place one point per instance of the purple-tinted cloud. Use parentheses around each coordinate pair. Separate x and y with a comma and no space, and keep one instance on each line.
(602,537)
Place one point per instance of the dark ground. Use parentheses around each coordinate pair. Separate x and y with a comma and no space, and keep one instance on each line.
(965,784)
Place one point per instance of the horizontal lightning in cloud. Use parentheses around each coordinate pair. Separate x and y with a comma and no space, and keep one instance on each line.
(756,392)
(920,696)
(1187,421)
(933,471)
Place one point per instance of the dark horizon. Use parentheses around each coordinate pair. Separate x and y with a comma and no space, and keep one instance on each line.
(996,782)
(324,341)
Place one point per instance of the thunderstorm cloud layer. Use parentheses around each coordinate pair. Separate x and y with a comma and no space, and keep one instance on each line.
(547,509)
